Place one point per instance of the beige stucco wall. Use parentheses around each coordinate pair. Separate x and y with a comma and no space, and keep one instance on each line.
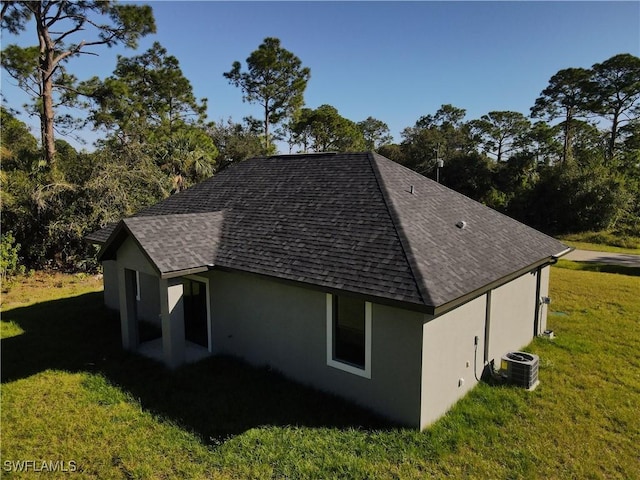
(448,357)
(448,340)
(172,320)
(129,256)
(284,326)
(420,365)
(513,309)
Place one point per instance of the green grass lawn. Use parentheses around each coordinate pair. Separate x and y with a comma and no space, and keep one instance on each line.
(69,393)
(603,242)
(599,247)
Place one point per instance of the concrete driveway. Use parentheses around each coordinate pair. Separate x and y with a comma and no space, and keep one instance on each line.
(624,259)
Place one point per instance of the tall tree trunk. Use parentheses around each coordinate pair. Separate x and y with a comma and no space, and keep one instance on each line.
(567,150)
(47,115)
(266,127)
(47,118)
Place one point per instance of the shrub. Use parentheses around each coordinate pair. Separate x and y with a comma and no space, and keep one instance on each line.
(9,259)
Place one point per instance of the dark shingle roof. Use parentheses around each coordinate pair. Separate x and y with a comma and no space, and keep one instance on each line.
(339,221)
(448,260)
(175,243)
(101,236)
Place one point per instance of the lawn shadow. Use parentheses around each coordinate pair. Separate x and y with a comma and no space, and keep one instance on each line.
(599,267)
(216,398)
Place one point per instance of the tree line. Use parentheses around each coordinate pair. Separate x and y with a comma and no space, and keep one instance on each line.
(572,165)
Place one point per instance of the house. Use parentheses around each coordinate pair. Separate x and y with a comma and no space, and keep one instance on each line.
(347,272)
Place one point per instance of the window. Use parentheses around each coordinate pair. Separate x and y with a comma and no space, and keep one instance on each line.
(349,334)
(348,331)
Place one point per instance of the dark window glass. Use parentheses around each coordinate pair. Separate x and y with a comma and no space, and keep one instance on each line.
(195,312)
(348,330)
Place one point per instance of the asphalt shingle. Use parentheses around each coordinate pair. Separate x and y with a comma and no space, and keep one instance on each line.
(340,221)
(447,260)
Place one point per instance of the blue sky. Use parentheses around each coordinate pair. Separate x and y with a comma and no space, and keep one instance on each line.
(395,61)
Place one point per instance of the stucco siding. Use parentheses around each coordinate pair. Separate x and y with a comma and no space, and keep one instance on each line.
(130,256)
(420,365)
(396,362)
(260,321)
(513,309)
(148,306)
(448,357)
(284,326)
(110,281)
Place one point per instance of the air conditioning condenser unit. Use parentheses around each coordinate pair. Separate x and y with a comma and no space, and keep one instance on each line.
(520,368)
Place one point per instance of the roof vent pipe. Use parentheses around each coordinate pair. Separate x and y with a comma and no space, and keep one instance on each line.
(411,190)
(461,224)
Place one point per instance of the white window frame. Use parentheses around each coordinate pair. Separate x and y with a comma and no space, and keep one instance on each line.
(205,280)
(347,367)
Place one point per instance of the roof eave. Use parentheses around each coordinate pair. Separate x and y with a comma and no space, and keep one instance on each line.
(92,241)
(448,306)
(390,302)
(562,253)
(186,271)
(113,241)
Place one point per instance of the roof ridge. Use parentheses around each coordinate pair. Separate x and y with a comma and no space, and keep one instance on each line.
(404,242)
(300,155)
